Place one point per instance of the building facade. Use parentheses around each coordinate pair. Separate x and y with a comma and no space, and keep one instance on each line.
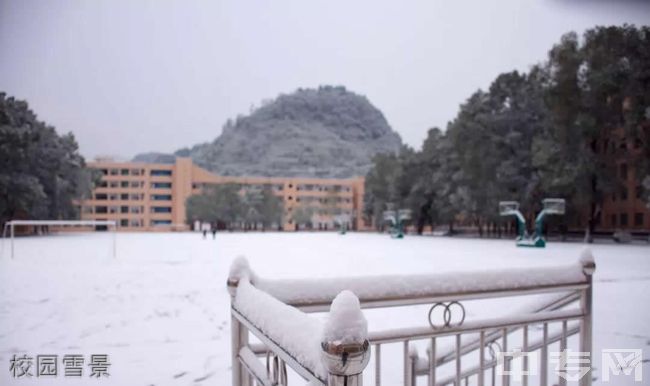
(626,208)
(152,197)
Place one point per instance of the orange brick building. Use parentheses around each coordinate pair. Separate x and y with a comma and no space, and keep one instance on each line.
(151,197)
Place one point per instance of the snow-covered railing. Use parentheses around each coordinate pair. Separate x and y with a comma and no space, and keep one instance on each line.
(335,352)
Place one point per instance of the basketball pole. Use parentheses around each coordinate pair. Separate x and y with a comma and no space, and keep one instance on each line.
(12,239)
(115,241)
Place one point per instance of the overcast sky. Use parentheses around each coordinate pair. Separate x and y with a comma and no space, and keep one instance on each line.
(134,76)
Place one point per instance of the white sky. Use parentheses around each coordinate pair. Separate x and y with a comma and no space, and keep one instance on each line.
(134,76)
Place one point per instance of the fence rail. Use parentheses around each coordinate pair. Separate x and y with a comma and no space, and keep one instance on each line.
(482,350)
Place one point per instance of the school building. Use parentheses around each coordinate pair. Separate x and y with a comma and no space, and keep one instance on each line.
(152,196)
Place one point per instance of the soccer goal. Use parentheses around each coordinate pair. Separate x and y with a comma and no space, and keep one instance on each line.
(10,228)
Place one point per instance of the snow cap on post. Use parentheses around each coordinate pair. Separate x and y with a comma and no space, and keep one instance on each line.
(587,261)
(345,337)
(239,269)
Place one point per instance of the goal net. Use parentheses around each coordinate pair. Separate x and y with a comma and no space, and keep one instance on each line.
(39,227)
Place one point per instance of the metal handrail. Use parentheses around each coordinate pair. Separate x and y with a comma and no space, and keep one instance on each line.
(344,364)
(308,374)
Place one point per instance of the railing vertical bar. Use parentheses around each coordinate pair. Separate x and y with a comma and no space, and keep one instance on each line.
(458,355)
(505,379)
(524,349)
(494,376)
(378,365)
(543,379)
(481,359)
(406,362)
(432,363)
(586,300)
(235,326)
(563,343)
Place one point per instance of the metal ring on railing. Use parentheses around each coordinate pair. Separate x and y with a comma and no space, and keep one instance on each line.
(491,349)
(447,315)
(276,369)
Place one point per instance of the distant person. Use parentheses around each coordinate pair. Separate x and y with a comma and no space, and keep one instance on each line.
(214,232)
(205,232)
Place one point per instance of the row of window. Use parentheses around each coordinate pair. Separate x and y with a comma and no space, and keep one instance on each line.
(138,223)
(125,209)
(622,219)
(280,187)
(623,194)
(135,172)
(133,184)
(323,188)
(120,184)
(611,146)
(322,200)
(131,197)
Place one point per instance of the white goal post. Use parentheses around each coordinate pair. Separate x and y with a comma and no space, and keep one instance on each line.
(10,225)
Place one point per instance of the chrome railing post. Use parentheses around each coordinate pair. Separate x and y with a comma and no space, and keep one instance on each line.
(345,362)
(586,300)
(344,354)
(239,339)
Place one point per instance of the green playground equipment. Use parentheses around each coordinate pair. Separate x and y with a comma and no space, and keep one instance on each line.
(396,220)
(551,206)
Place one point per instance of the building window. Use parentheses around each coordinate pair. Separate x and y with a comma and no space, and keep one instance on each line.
(103,171)
(638,219)
(124,222)
(623,218)
(114,172)
(102,184)
(112,209)
(135,172)
(161,197)
(161,222)
(161,185)
(137,209)
(161,209)
(637,143)
(124,184)
(101,196)
(114,184)
(136,223)
(623,171)
(124,172)
(124,209)
(624,194)
(155,172)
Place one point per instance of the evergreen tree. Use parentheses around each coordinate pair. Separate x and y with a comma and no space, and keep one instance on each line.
(42,174)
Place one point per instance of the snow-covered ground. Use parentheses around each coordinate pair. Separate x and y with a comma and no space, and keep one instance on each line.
(161,309)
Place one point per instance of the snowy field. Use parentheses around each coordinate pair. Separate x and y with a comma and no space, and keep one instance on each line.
(161,309)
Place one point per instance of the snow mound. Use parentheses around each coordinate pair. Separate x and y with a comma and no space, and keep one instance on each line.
(346,323)
(240,269)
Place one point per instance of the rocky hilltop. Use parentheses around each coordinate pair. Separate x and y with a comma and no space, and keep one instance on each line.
(324,132)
